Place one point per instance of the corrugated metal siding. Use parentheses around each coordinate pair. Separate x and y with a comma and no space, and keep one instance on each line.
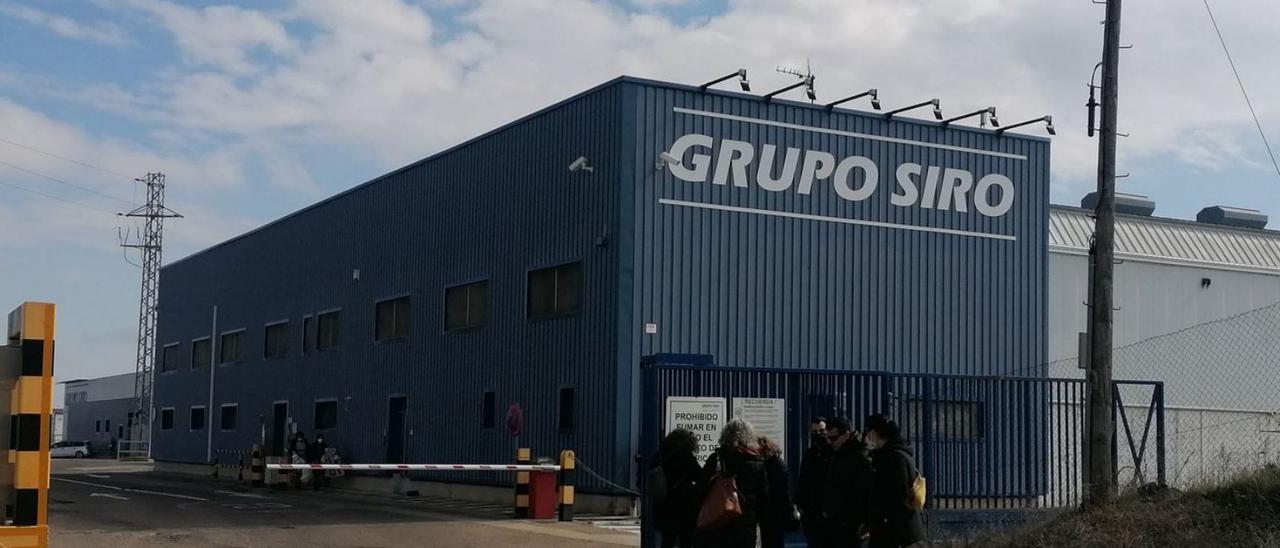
(1142,237)
(783,292)
(494,208)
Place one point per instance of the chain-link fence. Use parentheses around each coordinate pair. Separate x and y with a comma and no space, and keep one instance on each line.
(1222,397)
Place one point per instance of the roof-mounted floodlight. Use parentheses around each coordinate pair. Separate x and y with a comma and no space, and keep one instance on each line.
(937,108)
(987,114)
(741,74)
(807,82)
(873,93)
(1048,125)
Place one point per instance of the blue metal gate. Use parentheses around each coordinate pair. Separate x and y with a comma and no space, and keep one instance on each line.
(994,449)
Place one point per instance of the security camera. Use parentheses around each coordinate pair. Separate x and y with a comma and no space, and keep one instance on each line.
(665,158)
(580,165)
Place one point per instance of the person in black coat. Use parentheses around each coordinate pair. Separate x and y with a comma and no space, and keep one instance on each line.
(778,518)
(677,514)
(813,479)
(739,457)
(893,524)
(844,501)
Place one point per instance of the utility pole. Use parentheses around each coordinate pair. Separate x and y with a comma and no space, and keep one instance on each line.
(1102,486)
(150,245)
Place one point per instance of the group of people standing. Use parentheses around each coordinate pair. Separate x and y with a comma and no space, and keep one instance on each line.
(301,451)
(853,486)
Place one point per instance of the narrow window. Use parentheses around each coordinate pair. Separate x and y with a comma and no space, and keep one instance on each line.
(166,419)
(277,340)
(197,418)
(308,334)
(555,291)
(329,329)
(107,429)
(229,347)
(229,417)
(201,353)
(490,410)
(169,358)
(120,431)
(391,319)
(97,426)
(465,305)
(566,409)
(326,415)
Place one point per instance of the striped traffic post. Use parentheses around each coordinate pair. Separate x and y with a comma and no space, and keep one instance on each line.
(523,457)
(30,406)
(568,461)
(256,469)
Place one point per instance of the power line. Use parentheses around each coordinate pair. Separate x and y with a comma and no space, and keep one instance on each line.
(1242,91)
(58,198)
(70,184)
(65,159)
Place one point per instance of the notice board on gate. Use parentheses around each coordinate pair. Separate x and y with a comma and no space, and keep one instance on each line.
(767,415)
(702,416)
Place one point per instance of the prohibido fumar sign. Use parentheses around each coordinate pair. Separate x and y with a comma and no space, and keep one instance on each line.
(702,416)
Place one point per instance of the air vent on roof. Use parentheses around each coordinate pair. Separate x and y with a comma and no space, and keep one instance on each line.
(1232,216)
(1126,204)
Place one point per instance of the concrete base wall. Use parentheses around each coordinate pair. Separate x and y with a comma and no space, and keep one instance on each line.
(584,503)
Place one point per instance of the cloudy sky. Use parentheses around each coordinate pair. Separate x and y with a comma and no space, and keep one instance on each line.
(257,109)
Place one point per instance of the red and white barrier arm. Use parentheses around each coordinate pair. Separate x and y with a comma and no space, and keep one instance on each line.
(453,467)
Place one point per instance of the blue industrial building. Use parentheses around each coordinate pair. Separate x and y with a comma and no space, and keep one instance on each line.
(403,317)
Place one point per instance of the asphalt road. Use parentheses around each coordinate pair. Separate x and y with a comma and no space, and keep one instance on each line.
(102,503)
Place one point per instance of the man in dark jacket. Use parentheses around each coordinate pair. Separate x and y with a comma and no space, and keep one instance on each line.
(813,479)
(844,501)
(893,523)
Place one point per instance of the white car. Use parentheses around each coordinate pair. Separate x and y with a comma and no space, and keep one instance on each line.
(77,449)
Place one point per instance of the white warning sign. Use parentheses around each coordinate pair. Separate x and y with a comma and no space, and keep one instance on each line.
(702,416)
(767,415)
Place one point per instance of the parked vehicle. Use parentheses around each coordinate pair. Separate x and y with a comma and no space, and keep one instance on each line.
(77,449)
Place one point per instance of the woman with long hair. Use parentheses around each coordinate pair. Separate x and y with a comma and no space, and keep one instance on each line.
(683,487)
(739,458)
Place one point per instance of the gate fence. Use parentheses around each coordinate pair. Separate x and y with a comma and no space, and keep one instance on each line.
(989,446)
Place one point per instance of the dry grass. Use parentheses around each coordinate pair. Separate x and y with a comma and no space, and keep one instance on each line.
(1244,512)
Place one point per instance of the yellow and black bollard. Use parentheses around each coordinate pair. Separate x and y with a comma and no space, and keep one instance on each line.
(568,461)
(522,483)
(31,326)
(257,468)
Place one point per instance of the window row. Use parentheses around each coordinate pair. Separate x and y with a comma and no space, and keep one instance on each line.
(552,292)
(325,417)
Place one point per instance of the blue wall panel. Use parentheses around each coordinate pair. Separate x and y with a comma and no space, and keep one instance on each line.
(493,208)
(757,289)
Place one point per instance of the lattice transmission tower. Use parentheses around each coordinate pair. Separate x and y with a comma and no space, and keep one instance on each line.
(150,245)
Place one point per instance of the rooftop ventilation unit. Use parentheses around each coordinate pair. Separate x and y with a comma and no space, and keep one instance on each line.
(1126,204)
(1232,216)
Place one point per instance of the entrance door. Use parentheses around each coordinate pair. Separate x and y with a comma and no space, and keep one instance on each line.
(395,430)
(279,422)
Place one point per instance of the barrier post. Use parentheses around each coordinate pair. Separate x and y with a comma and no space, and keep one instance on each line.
(568,461)
(27,366)
(522,483)
(257,469)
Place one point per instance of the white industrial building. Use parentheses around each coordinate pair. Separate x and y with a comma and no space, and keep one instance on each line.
(1196,308)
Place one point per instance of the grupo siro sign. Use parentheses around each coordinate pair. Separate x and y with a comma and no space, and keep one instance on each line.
(703,158)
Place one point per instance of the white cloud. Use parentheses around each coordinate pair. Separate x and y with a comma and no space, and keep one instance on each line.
(222,36)
(103,33)
(378,76)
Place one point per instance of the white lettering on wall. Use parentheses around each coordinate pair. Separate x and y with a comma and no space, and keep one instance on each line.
(853,178)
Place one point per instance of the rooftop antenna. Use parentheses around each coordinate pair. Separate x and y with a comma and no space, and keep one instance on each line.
(806,80)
